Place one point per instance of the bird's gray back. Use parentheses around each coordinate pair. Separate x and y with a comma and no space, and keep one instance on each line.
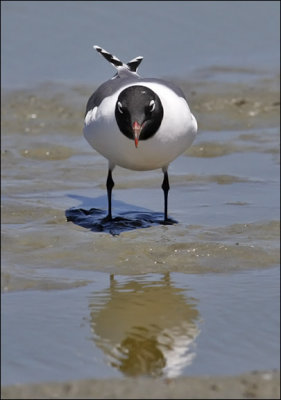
(113,85)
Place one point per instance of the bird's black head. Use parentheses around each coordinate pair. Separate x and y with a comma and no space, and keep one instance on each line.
(138,113)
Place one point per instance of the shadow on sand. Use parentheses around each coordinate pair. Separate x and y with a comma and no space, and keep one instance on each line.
(95,219)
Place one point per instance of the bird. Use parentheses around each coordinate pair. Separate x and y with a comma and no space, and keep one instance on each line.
(138,123)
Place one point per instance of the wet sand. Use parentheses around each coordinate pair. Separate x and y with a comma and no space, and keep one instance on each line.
(42,139)
(255,385)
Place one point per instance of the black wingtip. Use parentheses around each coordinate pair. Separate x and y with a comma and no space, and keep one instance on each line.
(132,65)
(98,48)
(109,57)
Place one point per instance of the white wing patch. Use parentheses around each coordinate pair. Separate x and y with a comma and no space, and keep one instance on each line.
(91,115)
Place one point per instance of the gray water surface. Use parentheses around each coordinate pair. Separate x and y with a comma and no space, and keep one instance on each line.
(158,325)
(52,41)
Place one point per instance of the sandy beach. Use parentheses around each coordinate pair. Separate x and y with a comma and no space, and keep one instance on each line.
(255,385)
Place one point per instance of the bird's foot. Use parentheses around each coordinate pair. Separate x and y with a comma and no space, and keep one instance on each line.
(169,221)
(108,218)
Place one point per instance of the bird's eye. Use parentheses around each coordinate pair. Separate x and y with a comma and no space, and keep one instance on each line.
(151,106)
(120,107)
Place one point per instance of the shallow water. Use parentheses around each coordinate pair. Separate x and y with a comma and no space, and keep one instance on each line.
(200,296)
(53,41)
(153,324)
(157,300)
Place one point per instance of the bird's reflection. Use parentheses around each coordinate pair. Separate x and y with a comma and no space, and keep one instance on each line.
(145,327)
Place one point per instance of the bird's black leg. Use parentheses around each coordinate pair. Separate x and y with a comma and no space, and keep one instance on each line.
(166,188)
(109,187)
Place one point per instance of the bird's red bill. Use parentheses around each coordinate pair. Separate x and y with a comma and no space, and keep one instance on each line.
(137,131)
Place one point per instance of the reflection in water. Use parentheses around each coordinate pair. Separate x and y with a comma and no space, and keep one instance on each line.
(145,327)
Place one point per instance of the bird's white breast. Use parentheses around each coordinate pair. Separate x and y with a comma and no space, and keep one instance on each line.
(176,133)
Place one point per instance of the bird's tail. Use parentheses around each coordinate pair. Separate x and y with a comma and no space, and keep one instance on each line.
(131,65)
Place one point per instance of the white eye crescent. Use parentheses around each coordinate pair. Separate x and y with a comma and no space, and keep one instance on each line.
(119,105)
(151,105)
